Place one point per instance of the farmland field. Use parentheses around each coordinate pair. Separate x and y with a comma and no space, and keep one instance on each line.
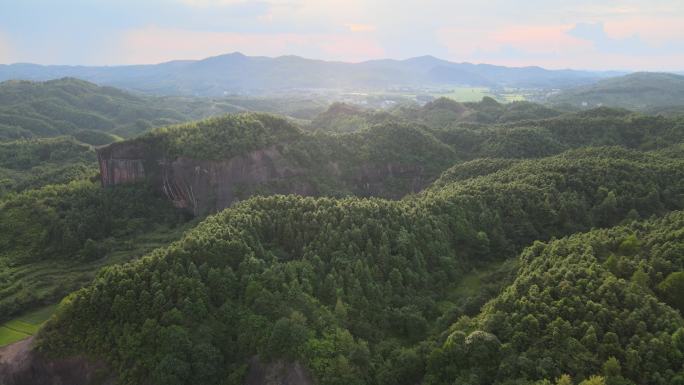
(24,326)
(466,94)
(475,94)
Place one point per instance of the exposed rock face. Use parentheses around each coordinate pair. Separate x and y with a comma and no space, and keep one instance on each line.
(20,365)
(121,164)
(203,186)
(277,373)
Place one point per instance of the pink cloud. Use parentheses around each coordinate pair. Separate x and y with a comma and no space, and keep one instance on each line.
(538,39)
(154,44)
(551,46)
(5,50)
(531,38)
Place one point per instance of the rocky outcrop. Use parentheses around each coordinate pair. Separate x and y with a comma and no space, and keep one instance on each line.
(277,373)
(121,164)
(21,365)
(202,185)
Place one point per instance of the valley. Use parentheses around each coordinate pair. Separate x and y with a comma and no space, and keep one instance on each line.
(255,220)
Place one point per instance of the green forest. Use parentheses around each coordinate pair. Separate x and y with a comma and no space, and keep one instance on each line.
(544,245)
(99,115)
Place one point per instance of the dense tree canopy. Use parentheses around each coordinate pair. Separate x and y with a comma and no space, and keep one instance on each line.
(28,164)
(464,282)
(355,288)
(568,312)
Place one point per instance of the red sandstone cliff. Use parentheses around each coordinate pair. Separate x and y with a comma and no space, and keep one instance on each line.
(203,186)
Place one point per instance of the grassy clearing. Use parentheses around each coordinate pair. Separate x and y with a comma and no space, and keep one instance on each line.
(49,281)
(478,285)
(24,326)
(475,94)
(468,286)
(512,97)
(8,336)
(466,94)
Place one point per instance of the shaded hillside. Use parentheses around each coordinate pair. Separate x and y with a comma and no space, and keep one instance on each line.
(344,118)
(236,73)
(100,115)
(74,107)
(639,91)
(359,290)
(54,238)
(439,113)
(445,112)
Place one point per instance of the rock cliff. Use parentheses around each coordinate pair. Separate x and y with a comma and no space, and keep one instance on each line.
(20,364)
(203,186)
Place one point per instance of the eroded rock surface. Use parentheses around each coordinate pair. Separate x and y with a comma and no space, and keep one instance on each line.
(277,373)
(203,186)
(21,365)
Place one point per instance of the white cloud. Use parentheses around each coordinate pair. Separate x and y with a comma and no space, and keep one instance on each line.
(360,27)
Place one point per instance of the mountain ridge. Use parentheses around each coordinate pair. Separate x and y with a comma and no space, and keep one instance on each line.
(242,74)
(642,91)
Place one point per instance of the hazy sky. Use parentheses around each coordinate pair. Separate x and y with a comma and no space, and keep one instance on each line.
(597,34)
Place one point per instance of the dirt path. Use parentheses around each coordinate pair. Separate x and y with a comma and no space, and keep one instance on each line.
(16,353)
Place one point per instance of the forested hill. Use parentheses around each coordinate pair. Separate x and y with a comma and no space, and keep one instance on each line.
(29,164)
(99,115)
(439,113)
(207,165)
(606,302)
(334,280)
(369,291)
(644,91)
(45,219)
(93,114)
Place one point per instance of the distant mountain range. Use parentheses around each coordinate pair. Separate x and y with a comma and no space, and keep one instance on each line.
(236,73)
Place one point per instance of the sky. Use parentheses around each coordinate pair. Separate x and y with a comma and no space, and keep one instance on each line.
(596,35)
